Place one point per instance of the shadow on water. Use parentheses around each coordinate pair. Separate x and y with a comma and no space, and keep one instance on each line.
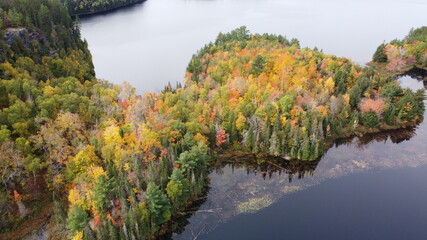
(246,184)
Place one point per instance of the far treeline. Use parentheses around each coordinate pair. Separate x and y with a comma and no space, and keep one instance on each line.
(115,165)
(85,7)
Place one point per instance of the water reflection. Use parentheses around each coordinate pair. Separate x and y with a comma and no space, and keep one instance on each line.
(265,167)
(414,79)
(246,184)
(395,136)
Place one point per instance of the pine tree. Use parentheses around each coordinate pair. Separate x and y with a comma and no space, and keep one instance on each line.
(112,231)
(101,190)
(379,55)
(389,115)
(265,136)
(306,148)
(370,119)
(250,138)
(258,66)
(164,173)
(77,219)
(158,205)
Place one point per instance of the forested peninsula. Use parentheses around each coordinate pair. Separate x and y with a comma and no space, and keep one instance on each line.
(85,7)
(94,160)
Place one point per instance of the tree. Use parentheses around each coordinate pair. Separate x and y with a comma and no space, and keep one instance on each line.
(157,204)
(379,55)
(4,133)
(250,138)
(77,219)
(258,66)
(286,103)
(11,164)
(101,191)
(372,105)
(195,68)
(195,160)
(391,90)
(177,188)
(240,122)
(59,139)
(370,119)
(81,162)
(221,137)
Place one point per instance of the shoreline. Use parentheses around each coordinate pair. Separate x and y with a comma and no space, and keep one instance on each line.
(88,14)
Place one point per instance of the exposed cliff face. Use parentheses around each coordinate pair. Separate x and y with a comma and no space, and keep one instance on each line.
(11,34)
(26,37)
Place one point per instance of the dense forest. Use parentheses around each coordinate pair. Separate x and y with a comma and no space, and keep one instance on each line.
(115,165)
(402,55)
(277,99)
(84,7)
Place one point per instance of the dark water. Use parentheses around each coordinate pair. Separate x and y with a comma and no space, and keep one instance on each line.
(372,187)
(376,205)
(150,44)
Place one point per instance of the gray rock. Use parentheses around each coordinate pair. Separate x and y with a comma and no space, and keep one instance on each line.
(11,34)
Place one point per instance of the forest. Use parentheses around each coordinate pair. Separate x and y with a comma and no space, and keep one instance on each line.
(402,55)
(116,165)
(85,7)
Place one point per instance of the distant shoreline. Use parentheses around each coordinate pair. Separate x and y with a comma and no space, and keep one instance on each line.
(105,11)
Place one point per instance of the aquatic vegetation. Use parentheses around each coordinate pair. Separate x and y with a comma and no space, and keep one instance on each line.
(254,204)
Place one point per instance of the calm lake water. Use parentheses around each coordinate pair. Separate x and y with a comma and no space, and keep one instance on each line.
(372,187)
(150,44)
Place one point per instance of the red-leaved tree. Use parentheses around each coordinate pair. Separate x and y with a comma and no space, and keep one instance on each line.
(372,105)
(221,137)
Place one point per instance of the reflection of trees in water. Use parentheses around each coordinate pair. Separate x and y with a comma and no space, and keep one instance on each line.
(267,166)
(395,136)
(417,73)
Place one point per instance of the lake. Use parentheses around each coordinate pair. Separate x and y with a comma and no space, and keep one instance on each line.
(150,44)
(371,187)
